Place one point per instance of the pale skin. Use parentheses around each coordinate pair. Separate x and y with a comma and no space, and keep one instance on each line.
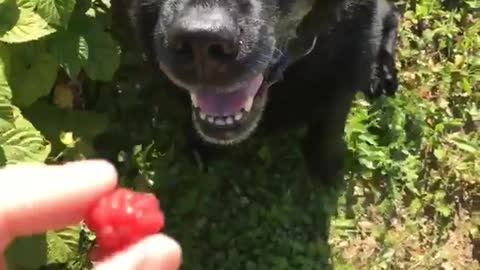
(38,198)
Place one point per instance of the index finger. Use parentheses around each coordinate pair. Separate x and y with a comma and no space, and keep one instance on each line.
(34,199)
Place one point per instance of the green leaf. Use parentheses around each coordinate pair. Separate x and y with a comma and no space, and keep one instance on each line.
(32,74)
(27,4)
(22,143)
(6,114)
(67,139)
(36,248)
(6,111)
(5,92)
(440,153)
(19,141)
(56,12)
(107,3)
(18,25)
(62,245)
(464,145)
(100,49)
(415,206)
(104,55)
(368,138)
(440,195)
(71,52)
(443,209)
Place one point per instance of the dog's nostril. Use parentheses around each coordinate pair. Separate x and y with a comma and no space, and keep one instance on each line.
(202,36)
(206,50)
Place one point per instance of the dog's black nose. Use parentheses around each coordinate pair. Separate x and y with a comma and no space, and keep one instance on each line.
(204,36)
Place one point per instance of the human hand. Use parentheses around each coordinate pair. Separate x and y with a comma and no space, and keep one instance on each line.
(38,198)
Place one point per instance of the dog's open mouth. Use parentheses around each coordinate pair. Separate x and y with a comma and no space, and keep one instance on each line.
(226,118)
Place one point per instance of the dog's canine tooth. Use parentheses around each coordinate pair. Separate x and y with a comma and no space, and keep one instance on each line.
(194,100)
(248,104)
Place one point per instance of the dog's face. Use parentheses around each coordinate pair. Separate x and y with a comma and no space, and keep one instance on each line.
(221,52)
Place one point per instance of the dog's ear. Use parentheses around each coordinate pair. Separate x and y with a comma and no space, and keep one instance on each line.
(323,14)
(326,13)
(384,79)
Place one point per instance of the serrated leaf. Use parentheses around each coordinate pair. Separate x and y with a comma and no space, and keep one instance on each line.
(71,52)
(102,51)
(104,55)
(443,209)
(6,110)
(18,25)
(62,245)
(6,114)
(56,12)
(32,74)
(19,140)
(22,143)
(27,4)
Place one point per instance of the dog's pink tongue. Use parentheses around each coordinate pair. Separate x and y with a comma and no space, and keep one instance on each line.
(227,104)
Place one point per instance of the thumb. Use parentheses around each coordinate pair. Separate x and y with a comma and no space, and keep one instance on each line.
(157,252)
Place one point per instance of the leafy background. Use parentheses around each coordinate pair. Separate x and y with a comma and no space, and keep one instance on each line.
(73,86)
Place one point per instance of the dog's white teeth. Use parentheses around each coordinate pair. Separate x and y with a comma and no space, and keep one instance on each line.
(194,100)
(238,116)
(219,122)
(248,104)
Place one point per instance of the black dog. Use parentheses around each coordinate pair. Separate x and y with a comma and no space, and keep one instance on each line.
(259,65)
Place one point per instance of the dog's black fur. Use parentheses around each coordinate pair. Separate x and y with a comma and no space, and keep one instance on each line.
(353,45)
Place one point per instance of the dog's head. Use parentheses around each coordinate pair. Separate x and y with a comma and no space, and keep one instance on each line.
(224,53)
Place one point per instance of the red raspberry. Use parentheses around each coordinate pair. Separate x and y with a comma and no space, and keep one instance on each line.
(123,217)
